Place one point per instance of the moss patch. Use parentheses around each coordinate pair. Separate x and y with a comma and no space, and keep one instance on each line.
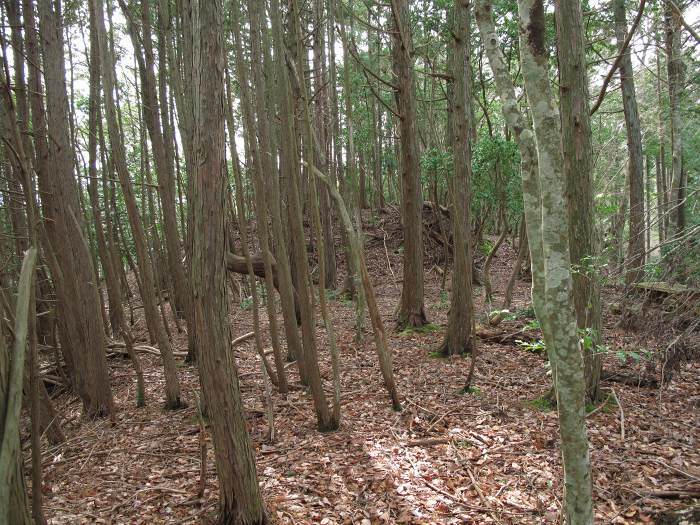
(427,328)
(543,404)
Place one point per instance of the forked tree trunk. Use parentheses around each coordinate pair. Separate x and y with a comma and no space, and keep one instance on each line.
(383,351)
(66,229)
(544,200)
(240,500)
(557,314)
(411,311)
(460,334)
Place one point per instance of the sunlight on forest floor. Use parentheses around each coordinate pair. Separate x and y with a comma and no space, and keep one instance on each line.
(489,456)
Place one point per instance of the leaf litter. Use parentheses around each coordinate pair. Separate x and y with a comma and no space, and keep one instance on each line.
(487,456)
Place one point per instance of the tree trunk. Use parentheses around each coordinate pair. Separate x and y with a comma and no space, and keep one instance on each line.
(517,267)
(558,315)
(290,311)
(635,248)
(258,146)
(66,228)
(320,97)
(661,190)
(172,383)
(240,499)
(326,421)
(411,311)
(674,65)
(578,171)
(116,313)
(352,275)
(152,107)
(13,498)
(460,334)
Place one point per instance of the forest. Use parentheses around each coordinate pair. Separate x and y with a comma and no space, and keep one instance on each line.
(349,262)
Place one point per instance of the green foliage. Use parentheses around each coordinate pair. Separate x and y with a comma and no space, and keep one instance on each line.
(485,247)
(496,177)
(538,347)
(525,313)
(631,356)
(437,166)
(608,405)
(247,302)
(444,303)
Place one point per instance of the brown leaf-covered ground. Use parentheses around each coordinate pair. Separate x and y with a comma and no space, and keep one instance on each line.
(489,456)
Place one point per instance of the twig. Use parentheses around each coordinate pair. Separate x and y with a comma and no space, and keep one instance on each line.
(622,413)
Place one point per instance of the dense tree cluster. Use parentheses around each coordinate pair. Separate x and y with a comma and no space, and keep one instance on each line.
(152,149)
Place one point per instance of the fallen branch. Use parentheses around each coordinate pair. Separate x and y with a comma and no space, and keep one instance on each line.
(116,347)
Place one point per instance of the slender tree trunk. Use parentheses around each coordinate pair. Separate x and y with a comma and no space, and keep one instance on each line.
(324,417)
(517,267)
(577,151)
(352,276)
(258,146)
(153,110)
(674,65)
(13,498)
(172,383)
(460,334)
(384,353)
(661,189)
(116,314)
(321,127)
(239,493)
(635,247)
(411,311)
(286,168)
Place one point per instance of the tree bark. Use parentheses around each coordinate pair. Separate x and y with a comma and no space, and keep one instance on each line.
(13,498)
(459,337)
(240,499)
(326,421)
(66,228)
(635,248)
(288,297)
(674,65)
(577,150)
(411,310)
(172,383)
(152,108)
(558,315)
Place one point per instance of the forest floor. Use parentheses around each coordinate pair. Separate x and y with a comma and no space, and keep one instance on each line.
(488,456)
